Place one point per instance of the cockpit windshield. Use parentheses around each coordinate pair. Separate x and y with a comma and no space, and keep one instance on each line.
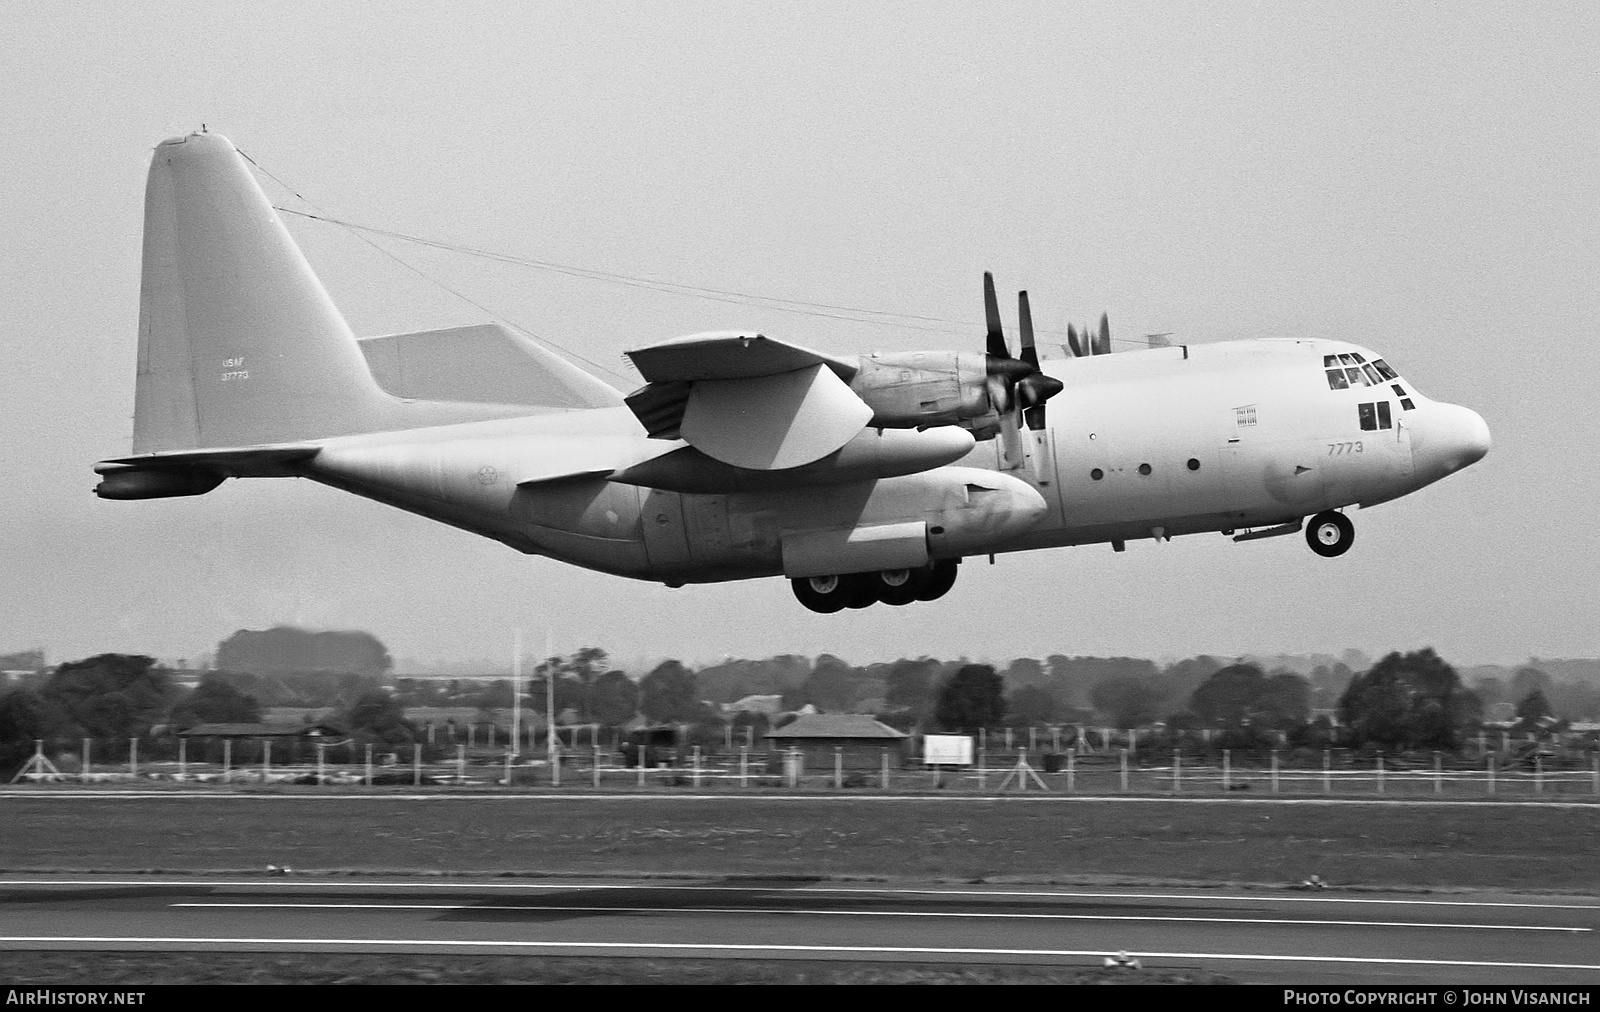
(1348,369)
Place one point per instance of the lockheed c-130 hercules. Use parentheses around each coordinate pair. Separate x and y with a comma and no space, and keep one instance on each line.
(860,479)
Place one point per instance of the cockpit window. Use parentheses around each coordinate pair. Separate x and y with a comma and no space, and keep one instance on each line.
(1345,358)
(1337,380)
(1372,375)
(1384,370)
(1357,378)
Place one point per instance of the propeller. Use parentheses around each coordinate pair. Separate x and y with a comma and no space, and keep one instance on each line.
(1083,343)
(1035,388)
(1015,385)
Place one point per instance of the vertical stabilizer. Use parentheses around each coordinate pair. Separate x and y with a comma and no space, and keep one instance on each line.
(239,344)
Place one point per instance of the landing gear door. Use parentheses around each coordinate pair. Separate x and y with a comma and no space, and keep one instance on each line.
(665,540)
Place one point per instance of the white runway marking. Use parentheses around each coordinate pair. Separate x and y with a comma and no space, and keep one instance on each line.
(858,950)
(469,885)
(1042,798)
(877,913)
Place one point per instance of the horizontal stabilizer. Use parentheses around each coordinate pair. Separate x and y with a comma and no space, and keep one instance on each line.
(194,472)
(484,363)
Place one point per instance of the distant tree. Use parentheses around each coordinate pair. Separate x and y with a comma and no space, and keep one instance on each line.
(831,687)
(1412,700)
(973,698)
(1527,681)
(216,700)
(588,664)
(613,699)
(379,716)
(1241,696)
(911,687)
(667,695)
(111,695)
(1533,708)
(1491,690)
(1031,706)
(1128,702)
(286,649)
(25,716)
(1026,671)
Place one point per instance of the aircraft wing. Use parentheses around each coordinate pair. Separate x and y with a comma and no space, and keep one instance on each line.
(748,400)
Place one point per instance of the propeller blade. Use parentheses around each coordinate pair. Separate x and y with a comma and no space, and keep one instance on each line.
(1072,341)
(996,345)
(1010,441)
(1029,353)
(999,388)
(1102,344)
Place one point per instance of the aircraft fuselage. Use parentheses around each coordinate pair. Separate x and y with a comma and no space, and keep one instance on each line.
(1146,444)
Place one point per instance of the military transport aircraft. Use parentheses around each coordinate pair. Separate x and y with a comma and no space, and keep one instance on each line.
(860,479)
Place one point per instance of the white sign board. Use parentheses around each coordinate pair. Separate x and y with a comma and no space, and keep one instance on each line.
(947,750)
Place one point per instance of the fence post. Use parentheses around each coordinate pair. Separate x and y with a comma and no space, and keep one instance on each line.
(696,767)
(508,767)
(266,759)
(1489,762)
(133,757)
(1055,740)
(596,747)
(416,763)
(227,760)
(461,762)
(1438,773)
(1124,771)
(1327,771)
(1274,771)
(982,767)
(1177,772)
(368,777)
(1380,772)
(640,756)
(838,768)
(183,759)
(555,761)
(83,774)
(1538,774)
(1227,769)
(744,765)
(1072,772)
(1033,738)
(885,768)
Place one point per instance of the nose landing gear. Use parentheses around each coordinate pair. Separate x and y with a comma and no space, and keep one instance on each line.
(1330,534)
(828,594)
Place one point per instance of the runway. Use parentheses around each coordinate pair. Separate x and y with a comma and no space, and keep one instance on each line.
(1254,936)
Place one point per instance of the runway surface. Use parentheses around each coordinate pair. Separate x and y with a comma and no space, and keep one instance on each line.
(1261,936)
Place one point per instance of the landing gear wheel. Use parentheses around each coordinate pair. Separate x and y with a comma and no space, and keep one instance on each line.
(1330,534)
(825,594)
(863,589)
(940,580)
(900,586)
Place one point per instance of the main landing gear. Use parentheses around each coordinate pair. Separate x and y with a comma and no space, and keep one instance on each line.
(1330,534)
(828,594)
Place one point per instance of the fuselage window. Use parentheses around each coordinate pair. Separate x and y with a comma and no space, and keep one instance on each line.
(1405,402)
(1399,391)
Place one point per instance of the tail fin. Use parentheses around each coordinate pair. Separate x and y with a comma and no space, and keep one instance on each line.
(239,344)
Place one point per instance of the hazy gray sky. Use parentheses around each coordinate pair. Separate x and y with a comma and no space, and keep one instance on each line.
(1418,178)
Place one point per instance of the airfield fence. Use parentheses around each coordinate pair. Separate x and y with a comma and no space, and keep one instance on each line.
(1570,773)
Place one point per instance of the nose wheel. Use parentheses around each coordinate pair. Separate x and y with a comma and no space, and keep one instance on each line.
(1330,534)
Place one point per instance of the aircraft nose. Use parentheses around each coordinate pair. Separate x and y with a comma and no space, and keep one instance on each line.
(1447,437)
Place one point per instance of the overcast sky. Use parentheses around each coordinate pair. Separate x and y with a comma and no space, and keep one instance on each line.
(1421,179)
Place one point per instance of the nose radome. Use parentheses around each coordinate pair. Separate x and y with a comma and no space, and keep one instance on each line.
(1446,438)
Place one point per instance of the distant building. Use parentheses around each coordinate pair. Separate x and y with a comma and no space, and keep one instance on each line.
(859,739)
(768,705)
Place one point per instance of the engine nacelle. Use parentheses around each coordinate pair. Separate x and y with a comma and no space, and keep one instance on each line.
(922,389)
